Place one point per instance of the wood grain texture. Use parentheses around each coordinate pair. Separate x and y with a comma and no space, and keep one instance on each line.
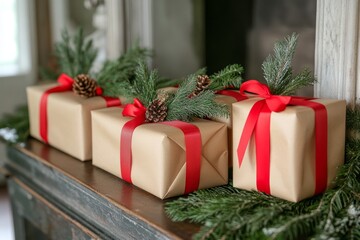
(101,202)
(337,49)
(36,218)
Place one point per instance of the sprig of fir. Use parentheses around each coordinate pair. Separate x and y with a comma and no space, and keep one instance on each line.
(185,108)
(278,72)
(229,77)
(143,85)
(229,213)
(75,55)
(114,74)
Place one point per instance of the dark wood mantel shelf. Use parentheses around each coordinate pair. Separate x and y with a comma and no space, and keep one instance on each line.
(76,200)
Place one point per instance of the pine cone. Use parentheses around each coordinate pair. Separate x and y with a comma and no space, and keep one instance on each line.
(84,86)
(203,82)
(157,111)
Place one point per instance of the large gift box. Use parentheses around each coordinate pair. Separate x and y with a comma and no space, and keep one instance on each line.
(62,119)
(288,147)
(166,159)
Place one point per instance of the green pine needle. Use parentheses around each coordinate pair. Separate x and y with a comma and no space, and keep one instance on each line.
(14,127)
(145,84)
(75,55)
(278,72)
(182,107)
(115,74)
(230,76)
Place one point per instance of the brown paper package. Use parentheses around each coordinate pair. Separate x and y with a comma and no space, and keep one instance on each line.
(69,120)
(228,101)
(292,150)
(158,155)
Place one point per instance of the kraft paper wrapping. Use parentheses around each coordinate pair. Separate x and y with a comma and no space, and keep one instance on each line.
(69,120)
(292,150)
(228,101)
(158,155)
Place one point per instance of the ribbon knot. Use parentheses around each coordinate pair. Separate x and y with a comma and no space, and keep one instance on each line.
(65,80)
(275,103)
(136,109)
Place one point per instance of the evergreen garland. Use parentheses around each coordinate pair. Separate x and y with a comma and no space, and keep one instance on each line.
(278,72)
(14,127)
(230,213)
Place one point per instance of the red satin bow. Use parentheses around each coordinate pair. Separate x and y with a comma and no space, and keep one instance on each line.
(275,103)
(136,109)
(258,122)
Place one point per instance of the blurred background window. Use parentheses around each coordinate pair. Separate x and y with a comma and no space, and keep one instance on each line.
(15,37)
(9,44)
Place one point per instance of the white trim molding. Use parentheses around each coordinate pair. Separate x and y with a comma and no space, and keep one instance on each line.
(337,54)
(115,35)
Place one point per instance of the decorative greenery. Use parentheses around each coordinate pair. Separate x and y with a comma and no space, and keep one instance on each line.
(14,128)
(74,55)
(114,74)
(278,72)
(229,213)
(143,86)
(117,77)
(182,107)
(230,76)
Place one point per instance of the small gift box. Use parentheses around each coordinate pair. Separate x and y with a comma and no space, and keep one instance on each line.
(288,147)
(61,118)
(165,159)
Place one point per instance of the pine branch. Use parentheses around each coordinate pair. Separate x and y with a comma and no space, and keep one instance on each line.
(167,82)
(278,72)
(115,74)
(75,56)
(230,76)
(14,128)
(144,84)
(182,107)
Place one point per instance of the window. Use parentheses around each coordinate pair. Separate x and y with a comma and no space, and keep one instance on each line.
(14,37)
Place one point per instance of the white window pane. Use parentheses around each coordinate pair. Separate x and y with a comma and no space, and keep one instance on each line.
(8,32)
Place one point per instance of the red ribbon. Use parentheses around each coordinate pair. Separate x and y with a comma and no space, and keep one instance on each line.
(233,94)
(65,84)
(136,110)
(193,153)
(258,123)
(192,138)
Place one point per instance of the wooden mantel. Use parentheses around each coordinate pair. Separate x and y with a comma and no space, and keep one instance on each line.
(55,196)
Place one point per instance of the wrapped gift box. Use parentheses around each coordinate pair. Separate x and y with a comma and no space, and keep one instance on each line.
(227,99)
(158,153)
(68,119)
(292,172)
